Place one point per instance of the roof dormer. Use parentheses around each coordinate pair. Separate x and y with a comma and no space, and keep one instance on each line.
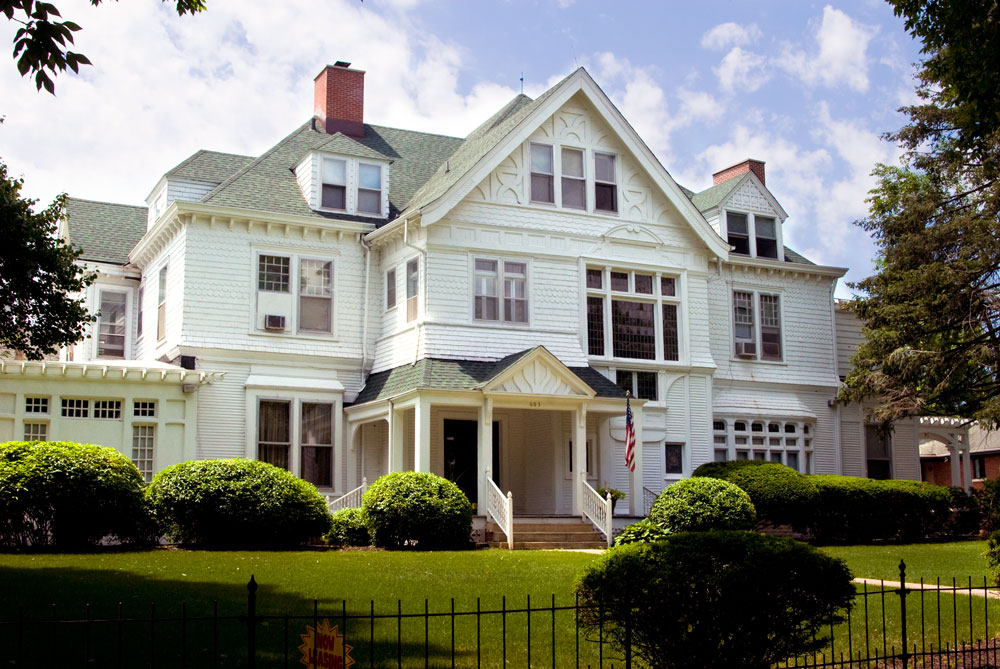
(343,179)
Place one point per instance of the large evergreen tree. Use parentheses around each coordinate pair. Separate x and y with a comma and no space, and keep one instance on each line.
(931,313)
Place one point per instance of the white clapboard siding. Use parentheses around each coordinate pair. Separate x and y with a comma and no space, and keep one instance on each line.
(848,339)
(222,412)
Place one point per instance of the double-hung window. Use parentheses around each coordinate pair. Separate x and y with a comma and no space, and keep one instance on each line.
(334,177)
(488,276)
(161,305)
(766,237)
(412,288)
(542,174)
(574,184)
(315,295)
(757,337)
(369,189)
(632,315)
(752,235)
(111,326)
(316,440)
(138,309)
(878,453)
(274,432)
(605,183)
(390,289)
(640,384)
(739,233)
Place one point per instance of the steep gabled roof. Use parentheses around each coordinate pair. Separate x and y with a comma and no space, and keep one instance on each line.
(104,231)
(268,183)
(714,196)
(212,166)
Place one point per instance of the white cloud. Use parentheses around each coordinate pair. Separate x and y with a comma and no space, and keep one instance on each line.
(730,34)
(839,57)
(741,71)
(645,104)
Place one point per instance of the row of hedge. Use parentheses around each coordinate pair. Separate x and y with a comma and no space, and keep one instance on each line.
(835,509)
(75,496)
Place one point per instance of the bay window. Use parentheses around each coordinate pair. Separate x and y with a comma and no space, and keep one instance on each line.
(317,443)
(624,309)
(788,442)
(311,437)
(273,432)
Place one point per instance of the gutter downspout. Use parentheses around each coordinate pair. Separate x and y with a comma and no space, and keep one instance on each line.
(364,309)
(419,323)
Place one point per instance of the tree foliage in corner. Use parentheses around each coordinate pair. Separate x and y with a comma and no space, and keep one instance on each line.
(931,313)
(38,276)
(41,44)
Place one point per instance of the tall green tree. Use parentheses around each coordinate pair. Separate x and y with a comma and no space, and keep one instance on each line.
(38,276)
(41,44)
(931,313)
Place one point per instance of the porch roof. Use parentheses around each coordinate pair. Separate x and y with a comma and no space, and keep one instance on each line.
(444,374)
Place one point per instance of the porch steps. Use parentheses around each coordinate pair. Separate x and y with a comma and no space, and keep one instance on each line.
(546,534)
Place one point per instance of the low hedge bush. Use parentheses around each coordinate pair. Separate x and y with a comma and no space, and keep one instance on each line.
(237,503)
(347,528)
(857,510)
(643,532)
(70,496)
(700,503)
(417,509)
(780,495)
(715,599)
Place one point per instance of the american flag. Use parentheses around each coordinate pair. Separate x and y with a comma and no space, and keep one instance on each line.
(629,437)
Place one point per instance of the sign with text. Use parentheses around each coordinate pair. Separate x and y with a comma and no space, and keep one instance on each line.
(324,648)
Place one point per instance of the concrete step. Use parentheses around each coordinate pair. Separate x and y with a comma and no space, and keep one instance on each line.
(553,534)
(550,545)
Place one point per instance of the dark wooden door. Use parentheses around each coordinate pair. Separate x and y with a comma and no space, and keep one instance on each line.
(461,445)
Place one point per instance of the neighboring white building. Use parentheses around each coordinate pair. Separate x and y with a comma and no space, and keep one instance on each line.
(361,299)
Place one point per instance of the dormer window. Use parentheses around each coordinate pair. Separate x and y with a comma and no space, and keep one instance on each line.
(369,189)
(605,183)
(334,184)
(739,233)
(766,237)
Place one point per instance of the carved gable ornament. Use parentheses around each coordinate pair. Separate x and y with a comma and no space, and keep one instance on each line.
(632,233)
(539,373)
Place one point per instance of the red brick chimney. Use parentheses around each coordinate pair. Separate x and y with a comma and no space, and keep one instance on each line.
(339,99)
(748,165)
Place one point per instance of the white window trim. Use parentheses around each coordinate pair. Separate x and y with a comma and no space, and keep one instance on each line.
(685,461)
(126,335)
(552,154)
(592,183)
(756,293)
(589,178)
(500,320)
(406,290)
(752,232)
(385,293)
(352,177)
(292,318)
(381,191)
(605,292)
(804,444)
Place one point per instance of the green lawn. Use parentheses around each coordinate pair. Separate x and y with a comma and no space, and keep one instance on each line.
(189,583)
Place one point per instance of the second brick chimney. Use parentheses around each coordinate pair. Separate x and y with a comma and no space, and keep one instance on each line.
(339,99)
(748,165)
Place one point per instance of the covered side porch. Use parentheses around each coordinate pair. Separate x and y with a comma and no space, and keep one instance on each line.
(509,428)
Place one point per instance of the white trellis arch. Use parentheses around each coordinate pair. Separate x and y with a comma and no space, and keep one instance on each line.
(954,434)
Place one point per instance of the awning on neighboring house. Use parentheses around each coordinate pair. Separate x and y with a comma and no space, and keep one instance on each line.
(767,404)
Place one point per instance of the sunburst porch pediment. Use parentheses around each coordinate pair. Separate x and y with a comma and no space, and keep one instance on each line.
(538,372)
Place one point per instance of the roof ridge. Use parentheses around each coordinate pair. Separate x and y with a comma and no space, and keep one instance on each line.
(105,202)
(416,132)
(222,186)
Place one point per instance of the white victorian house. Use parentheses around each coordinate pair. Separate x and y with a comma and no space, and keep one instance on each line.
(361,299)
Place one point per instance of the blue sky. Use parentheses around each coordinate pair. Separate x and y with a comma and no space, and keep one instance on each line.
(806,87)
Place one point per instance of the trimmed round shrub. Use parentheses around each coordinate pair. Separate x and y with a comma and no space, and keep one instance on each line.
(715,599)
(417,509)
(237,503)
(780,495)
(857,510)
(698,503)
(347,528)
(643,532)
(70,496)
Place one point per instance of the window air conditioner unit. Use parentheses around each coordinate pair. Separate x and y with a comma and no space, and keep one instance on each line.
(274,322)
(746,349)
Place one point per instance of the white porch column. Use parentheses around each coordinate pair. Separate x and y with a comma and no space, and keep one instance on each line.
(954,460)
(967,466)
(350,473)
(395,439)
(635,503)
(485,451)
(422,435)
(579,456)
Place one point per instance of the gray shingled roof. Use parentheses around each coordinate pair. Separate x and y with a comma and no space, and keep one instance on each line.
(268,183)
(439,374)
(212,166)
(104,231)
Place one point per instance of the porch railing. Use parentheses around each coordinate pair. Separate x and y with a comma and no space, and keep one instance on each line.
(597,509)
(648,499)
(501,508)
(350,500)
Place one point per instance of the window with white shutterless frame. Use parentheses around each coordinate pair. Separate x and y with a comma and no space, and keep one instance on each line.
(572,177)
(346,184)
(500,290)
(294,293)
(294,431)
(758,331)
(753,235)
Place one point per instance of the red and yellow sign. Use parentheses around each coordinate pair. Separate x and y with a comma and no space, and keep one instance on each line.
(324,648)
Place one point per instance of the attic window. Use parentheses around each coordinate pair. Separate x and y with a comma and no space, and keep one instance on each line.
(766,237)
(605,183)
(369,189)
(739,236)
(334,184)
(542,174)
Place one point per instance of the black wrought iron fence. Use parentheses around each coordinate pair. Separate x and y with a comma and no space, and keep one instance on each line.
(891,625)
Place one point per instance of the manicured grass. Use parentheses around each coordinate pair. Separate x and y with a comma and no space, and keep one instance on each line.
(958,559)
(290,583)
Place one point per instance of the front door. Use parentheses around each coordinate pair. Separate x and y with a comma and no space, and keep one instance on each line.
(461,443)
